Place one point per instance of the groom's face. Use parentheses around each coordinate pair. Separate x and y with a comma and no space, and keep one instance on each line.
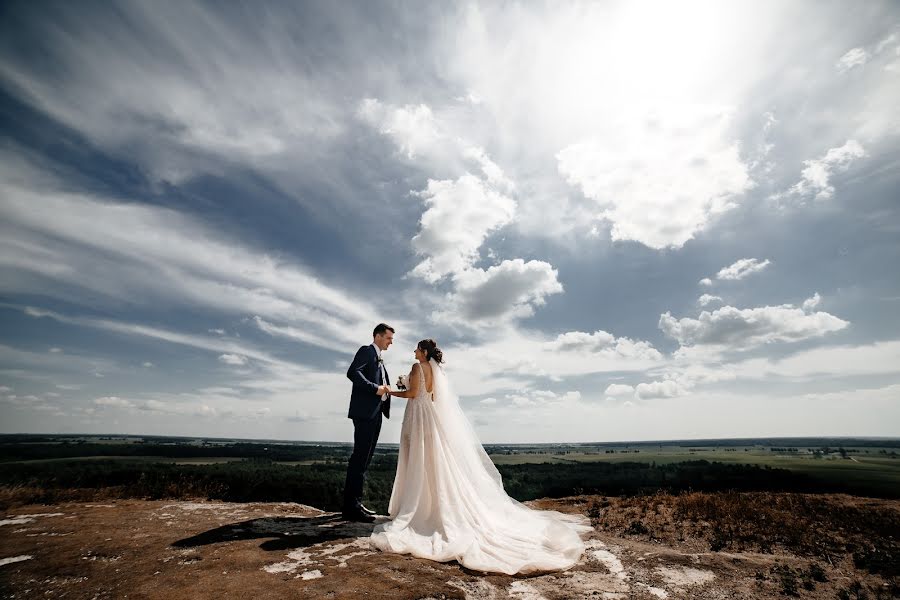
(384,340)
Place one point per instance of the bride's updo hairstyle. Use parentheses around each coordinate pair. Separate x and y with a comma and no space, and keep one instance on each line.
(431,350)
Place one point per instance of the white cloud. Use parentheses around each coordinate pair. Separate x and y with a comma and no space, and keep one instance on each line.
(80,248)
(659,389)
(489,401)
(542,398)
(582,341)
(811,303)
(605,343)
(509,290)
(233,359)
(706,281)
(852,58)
(301,334)
(886,42)
(145,88)
(492,172)
(511,357)
(878,358)
(55,350)
(618,389)
(857,57)
(663,178)
(816,174)
(148,364)
(742,268)
(412,128)
(739,329)
(708,299)
(459,216)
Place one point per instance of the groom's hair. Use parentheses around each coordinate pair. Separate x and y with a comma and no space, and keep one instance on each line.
(381,328)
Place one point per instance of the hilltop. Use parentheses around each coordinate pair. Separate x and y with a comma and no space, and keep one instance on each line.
(719,545)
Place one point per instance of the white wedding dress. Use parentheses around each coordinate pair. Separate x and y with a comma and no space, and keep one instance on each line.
(448,501)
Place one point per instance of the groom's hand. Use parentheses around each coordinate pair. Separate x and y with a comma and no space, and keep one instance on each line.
(382,390)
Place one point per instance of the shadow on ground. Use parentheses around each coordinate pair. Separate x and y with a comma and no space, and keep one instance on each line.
(286,532)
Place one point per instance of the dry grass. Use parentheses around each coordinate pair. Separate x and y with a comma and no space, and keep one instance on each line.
(828,527)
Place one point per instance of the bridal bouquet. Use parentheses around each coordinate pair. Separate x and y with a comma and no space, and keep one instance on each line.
(401,382)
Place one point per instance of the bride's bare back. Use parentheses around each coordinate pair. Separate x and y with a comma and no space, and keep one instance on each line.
(427,375)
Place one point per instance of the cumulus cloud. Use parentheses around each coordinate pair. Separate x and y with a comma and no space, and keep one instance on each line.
(511,289)
(708,299)
(742,268)
(659,389)
(618,389)
(663,180)
(706,281)
(816,174)
(739,329)
(412,127)
(603,342)
(459,216)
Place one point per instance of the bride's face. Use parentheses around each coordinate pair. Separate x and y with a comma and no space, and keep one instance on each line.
(420,354)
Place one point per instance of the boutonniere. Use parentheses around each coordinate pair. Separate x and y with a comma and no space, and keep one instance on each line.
(380,360)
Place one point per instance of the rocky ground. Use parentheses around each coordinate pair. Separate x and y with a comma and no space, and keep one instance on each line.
(175,550)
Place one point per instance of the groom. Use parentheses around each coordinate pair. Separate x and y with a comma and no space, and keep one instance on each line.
(368,401)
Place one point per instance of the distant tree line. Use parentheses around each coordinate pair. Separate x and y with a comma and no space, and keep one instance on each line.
(250,450)
(321,485)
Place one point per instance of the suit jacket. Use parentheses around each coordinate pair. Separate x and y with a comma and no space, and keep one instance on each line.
(365,403)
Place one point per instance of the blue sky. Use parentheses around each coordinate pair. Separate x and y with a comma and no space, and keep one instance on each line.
(621,221)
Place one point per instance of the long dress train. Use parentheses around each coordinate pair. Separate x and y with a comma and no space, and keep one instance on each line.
(448,501)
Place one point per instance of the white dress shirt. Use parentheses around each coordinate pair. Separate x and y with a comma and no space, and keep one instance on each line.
(384,380)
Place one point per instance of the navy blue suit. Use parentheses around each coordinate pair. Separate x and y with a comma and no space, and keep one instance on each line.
(366,408)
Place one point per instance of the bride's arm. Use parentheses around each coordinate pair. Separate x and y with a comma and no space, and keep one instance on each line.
(413,380)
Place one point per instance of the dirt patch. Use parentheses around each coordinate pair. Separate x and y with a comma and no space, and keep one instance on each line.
(197,549)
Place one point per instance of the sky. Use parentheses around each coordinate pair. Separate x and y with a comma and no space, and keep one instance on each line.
(619,220)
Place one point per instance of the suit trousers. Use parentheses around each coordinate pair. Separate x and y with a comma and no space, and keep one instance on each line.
(365,436)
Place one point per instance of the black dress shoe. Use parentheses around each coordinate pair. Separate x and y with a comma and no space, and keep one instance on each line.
(366,510)
(358,516)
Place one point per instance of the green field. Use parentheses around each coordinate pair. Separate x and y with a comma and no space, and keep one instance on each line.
(43,468)
(862,465)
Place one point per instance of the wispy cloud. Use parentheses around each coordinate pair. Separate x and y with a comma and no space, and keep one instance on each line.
(143,254)
(816,175)
(742,268)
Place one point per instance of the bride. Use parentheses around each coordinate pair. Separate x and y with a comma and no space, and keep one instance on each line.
(448,501)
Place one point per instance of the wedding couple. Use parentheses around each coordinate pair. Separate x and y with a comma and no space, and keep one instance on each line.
(448,501)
